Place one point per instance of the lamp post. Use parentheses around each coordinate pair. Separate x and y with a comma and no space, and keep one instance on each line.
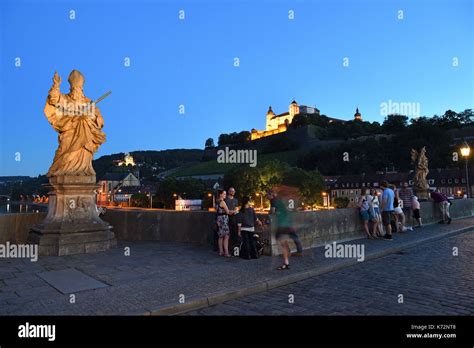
(261,200)
(325,199)
(465,152)
(151,199)
(213,199)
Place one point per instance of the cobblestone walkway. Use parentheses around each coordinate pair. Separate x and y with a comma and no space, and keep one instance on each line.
(157,274)
(430,278)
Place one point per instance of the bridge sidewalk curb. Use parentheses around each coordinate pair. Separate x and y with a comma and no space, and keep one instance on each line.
(232,294)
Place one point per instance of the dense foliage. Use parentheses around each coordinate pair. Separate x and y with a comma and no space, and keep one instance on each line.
(234,138)
(250,181)
(392,151)
(171,188)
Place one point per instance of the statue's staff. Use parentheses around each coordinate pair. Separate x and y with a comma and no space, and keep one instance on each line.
(105,95)
(102,98)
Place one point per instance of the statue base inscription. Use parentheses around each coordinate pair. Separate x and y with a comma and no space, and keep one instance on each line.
(72,225)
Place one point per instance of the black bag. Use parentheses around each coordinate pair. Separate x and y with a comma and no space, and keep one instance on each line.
(256,243)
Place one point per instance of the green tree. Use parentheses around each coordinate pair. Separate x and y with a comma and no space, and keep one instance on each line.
(140,200)
(170,188)
(245,180)
(309,183)
(394,124)
(209,143)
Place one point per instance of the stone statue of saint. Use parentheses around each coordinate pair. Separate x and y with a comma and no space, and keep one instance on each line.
(73,225)
(79,124)
(420,183)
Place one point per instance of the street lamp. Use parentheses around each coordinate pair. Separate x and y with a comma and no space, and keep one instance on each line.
(213,199)
(325,199)
(465,152)
(151,199)
(261,200)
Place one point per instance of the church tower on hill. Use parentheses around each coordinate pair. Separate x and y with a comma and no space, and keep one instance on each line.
(357,115)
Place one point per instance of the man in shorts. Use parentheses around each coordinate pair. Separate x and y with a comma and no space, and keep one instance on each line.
(386,206)
(285,228)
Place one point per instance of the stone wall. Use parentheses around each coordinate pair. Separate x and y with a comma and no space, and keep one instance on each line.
(164,225)
(314,228)
(15,227)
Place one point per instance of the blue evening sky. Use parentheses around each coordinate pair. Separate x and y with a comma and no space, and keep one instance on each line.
(190,62)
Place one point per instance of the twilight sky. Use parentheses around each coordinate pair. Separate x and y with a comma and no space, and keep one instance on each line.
(404,57)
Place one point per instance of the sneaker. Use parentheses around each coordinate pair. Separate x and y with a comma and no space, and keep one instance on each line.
(449,221)
(387,237)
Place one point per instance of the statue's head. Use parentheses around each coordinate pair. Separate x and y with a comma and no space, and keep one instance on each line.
(76,79)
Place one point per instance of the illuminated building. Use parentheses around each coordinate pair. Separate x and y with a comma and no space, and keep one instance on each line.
(127,160)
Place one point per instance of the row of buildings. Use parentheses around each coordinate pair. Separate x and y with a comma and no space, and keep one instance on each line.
(452,182)
(118,188)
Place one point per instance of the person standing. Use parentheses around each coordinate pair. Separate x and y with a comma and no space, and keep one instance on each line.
(443,204)
(285,229)
(232,204)
(416,212)
(246,222)
(399,217)
(223,230)
(366,214)
(406,195)
(375,209)
(386,208)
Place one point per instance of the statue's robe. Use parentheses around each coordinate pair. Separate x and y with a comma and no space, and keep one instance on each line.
(79,135)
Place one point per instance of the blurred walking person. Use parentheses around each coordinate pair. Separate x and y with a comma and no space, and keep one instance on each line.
(285,228)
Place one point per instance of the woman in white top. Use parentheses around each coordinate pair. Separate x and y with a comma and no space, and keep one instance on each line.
(375,208)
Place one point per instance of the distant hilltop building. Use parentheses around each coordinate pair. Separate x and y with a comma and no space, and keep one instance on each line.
(357,115)
(127,160)
(279,123)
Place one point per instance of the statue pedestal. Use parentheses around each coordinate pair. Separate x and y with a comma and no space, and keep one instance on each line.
(72,225)
(423,194)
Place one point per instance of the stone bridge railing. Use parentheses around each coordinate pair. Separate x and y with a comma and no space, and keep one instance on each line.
(314,228)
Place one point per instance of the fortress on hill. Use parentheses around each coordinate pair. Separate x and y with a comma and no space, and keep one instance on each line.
(279,123)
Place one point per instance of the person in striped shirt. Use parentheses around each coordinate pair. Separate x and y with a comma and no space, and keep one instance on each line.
(406,195)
